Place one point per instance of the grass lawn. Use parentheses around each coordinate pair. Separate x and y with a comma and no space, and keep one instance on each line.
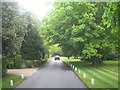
(16,79)
(71,59)
(105,76)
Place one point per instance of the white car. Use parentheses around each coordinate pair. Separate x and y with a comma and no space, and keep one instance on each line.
(57,57)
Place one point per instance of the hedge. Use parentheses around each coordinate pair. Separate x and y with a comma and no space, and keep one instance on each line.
(18,61)
(44,60)
(10,65)
(35,63)
(4,63)
(29,63)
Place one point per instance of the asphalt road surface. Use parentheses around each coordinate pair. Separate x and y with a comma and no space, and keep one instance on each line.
(54,74)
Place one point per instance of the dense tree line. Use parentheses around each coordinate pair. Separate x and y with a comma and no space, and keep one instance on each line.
(20,36)
(84,29)
(32,46)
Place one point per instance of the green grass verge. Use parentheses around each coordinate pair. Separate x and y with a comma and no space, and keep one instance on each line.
(71,59)
(105,75)
(16,79)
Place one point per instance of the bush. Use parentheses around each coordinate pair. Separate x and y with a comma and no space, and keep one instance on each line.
(11,59)
(44,60)
(29,63)
(37,63)
(111,56)
(10,65)
(18,61)
(4,63)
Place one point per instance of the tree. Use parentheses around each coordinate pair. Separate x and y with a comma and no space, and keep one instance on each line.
(19,27)
(110,20)
(55,49)
(79,30)
(13,29)
(32,47)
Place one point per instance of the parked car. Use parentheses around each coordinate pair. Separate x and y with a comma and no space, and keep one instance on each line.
(57,57)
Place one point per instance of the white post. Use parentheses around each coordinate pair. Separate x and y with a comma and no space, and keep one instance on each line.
(73,66)
(92,81)
(84,75)
(76,68)
(22,76)
(79,71)
(11,83)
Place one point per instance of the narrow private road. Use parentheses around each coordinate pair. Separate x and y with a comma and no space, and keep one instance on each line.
(54,74)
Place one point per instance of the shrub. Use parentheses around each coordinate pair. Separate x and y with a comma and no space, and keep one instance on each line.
(44,60)
(10,65)
(29,63)
(111,56)
(4,63)
(37,63)
(18,61)
(11,59)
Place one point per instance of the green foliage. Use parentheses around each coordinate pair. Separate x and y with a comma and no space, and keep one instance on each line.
(55,49)
(10,65)
(69,31)
(111,16)
(44,60)
(110,19)
(79,29)
(37,63)
(13,28)
(33,47)
(4,63)
(20,30)
(29,63)
(18,61)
